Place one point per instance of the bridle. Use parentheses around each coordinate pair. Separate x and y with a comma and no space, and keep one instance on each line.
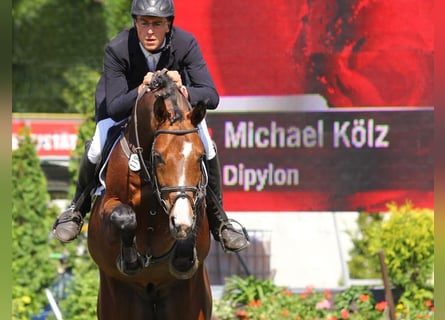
(195,194)
(198,191)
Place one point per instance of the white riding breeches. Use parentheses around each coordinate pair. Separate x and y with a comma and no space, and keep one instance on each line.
(100,136)
(206,140)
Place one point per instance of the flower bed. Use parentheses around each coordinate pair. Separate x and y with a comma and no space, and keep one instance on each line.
(255,299)
(409,257)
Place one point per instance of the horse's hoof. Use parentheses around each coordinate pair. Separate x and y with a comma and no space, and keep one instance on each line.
(129,269)
(123,218)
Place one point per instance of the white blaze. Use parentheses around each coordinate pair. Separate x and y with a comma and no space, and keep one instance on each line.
(182,210)
(186,151)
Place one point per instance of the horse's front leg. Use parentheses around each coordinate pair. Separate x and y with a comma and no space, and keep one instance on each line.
(123,218)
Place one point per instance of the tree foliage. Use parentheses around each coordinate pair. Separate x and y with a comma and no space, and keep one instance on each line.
(407,239)
(361,265)
(57,60)
(52,40)
(117,16)
(81,293)
(79,93)
(406,235)
(31,269)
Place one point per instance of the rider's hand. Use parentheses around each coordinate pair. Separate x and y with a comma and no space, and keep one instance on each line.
(176,77)
(145,82)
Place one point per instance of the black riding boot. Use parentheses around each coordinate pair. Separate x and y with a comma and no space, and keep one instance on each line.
(222,230)
(68,225)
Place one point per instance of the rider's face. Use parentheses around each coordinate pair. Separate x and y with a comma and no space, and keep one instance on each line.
(151,31)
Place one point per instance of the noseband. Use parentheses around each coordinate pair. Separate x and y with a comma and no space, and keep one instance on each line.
(198,191)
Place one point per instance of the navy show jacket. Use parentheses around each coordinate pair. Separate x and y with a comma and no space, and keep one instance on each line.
(125,67)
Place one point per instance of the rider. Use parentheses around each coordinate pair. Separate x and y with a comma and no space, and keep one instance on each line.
(130,59)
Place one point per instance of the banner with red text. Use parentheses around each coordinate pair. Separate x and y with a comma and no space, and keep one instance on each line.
(55,135)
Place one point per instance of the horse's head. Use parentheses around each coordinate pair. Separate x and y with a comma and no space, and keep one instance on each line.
(177,155)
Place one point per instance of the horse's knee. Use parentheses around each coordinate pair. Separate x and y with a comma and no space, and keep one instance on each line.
(123,218)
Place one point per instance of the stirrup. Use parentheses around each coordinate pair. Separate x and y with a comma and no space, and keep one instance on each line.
(228,223)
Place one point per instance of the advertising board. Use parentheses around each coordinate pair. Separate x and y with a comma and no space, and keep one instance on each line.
(55,135)
(292,158)
(295,154)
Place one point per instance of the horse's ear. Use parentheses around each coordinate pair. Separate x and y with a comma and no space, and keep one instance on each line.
(198,113)
(160,110)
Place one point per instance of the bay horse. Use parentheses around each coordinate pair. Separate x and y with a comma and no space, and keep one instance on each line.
(148,232)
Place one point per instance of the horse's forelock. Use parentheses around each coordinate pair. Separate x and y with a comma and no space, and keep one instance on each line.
(160,81)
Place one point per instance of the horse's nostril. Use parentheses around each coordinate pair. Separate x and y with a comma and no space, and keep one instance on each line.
(182,234)
(172,220)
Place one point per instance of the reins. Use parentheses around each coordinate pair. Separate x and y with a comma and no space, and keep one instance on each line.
(139,149)
(153,86)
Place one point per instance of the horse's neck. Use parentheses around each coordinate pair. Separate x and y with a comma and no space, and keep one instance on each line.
(140,130)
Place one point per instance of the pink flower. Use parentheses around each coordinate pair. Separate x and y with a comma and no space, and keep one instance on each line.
(323,304)
(344,314)
(309,289)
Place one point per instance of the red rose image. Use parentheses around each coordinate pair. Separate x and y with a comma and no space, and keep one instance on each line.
(368,53)
(353,52)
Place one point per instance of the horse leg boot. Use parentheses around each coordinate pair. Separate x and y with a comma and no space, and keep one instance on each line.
(223,231)
(68,225)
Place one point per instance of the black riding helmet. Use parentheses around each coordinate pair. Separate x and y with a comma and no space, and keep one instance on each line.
(154,8)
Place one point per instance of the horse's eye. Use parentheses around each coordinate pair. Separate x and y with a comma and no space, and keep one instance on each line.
(157,159)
